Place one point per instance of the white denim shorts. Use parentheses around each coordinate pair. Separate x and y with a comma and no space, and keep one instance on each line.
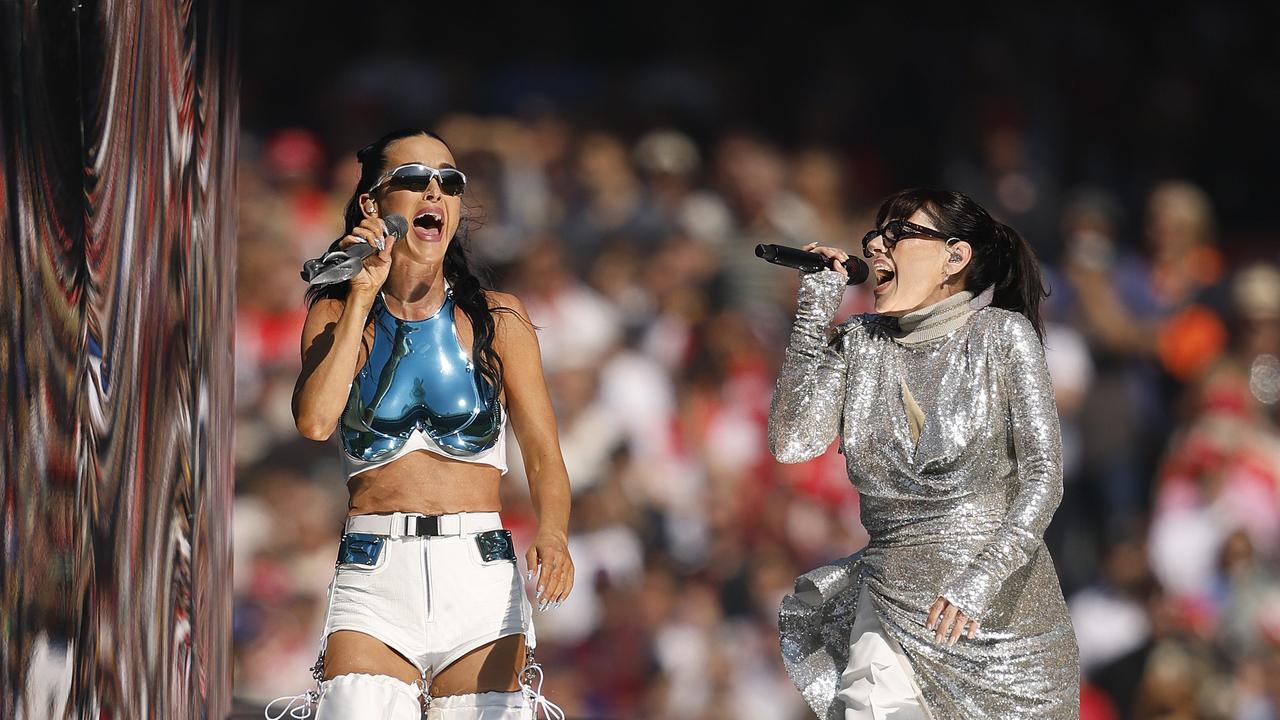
(434,598)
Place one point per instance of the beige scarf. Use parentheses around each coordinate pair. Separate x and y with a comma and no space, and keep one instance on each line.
(930,323)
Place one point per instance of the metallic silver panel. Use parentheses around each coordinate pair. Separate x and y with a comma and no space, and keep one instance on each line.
(117,153)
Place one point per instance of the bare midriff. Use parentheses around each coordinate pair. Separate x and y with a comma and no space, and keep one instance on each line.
(423,482)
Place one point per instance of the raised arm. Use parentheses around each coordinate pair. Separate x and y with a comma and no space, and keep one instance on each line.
(332,352)
(333,347)
(534,422)
(1037,441)
(809,396)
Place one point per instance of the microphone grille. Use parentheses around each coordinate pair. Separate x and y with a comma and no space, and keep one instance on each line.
(397,225)
(767,252)
(858,271)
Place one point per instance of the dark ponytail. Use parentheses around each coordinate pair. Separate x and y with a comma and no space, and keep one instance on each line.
(1020,287)
(1001,257)
(468,293)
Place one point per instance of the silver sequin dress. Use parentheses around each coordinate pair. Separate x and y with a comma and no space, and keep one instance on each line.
(959,513)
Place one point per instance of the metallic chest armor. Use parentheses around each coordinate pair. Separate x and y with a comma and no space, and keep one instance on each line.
(419,377)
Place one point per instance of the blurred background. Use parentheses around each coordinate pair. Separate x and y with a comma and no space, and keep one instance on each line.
(625,160)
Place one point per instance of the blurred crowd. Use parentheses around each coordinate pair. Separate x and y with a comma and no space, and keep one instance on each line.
(661,333)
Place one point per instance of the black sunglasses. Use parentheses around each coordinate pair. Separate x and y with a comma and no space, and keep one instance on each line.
(896,230)
(416,177)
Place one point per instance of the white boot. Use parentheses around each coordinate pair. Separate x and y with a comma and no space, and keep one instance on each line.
(356,696)
(524,704)
(481,706)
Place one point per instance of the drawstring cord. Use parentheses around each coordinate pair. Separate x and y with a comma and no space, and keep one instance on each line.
(534,694)
(301,712)
(309,698)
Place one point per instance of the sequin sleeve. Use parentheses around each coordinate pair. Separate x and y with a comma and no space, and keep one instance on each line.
(1033,422)
(809,396)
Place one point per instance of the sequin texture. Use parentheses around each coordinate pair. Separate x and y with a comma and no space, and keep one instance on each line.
(960,512)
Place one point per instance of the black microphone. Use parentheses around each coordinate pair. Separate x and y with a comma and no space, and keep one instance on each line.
(339,265)
(809,262)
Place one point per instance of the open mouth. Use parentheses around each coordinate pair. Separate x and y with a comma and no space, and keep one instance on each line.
(429,225)
(884,276)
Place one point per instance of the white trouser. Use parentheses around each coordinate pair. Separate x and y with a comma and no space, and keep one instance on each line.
(878,683)
(433,599)
(481,706)
(355,696)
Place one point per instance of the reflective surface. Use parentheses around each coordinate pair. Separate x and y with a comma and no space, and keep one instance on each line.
(117,144)
(959,513)
(458,408)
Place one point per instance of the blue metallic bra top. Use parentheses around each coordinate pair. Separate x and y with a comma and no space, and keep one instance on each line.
(418,376)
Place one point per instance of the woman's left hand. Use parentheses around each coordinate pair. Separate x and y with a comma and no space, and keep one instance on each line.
(949,622)
(549,559)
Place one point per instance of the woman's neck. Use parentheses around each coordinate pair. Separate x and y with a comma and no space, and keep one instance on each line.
(414,291)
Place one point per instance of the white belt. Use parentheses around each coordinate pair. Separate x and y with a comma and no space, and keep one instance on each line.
(400,524)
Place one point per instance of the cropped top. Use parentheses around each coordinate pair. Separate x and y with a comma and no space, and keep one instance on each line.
(419,390)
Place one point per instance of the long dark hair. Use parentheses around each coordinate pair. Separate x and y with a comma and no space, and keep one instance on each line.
(1001,257)
(458,270)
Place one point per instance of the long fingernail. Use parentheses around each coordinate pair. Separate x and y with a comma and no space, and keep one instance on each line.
(530,575)
(539,593)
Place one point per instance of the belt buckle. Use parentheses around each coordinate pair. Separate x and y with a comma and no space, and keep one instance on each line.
(423,525)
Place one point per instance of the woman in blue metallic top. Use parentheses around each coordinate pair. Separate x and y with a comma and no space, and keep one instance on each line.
(418,369)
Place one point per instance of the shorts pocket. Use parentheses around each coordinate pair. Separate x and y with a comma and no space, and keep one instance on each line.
(494,547)
(363,554)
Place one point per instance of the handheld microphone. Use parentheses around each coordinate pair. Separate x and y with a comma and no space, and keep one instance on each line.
(809,262)
(339,265)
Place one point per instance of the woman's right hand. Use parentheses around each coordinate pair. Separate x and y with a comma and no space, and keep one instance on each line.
(376,266)
(836,255)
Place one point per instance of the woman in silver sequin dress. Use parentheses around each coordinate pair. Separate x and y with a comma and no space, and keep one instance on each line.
(949,429)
